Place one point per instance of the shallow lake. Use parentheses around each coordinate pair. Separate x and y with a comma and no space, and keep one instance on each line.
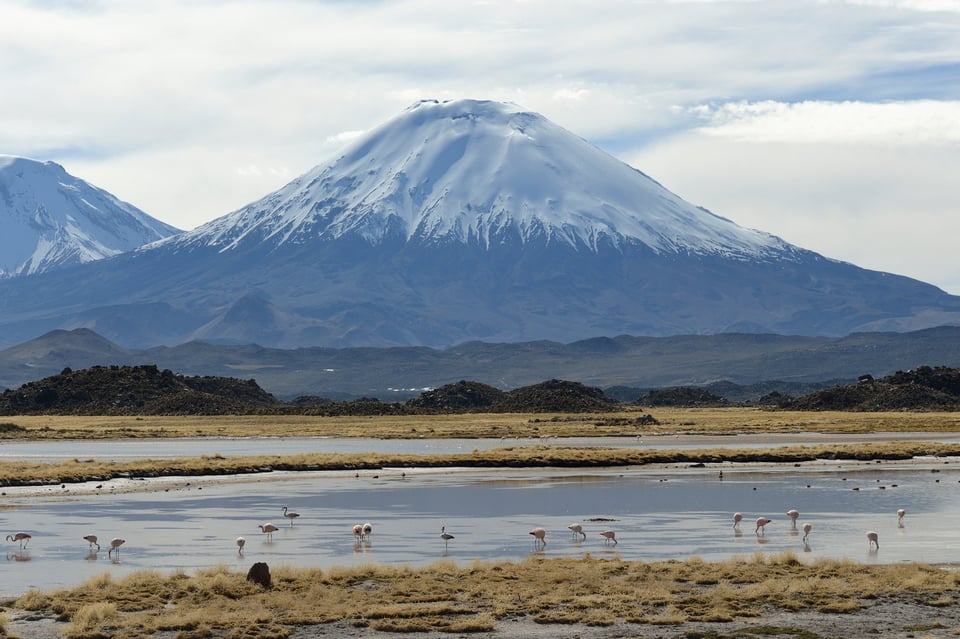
(669,512)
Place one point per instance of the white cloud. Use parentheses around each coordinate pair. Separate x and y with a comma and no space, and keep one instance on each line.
(813,122)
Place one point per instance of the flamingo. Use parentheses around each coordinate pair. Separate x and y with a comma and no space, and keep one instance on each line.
(539,536)
(793,515)
(358,531)
(241,542)
(367,529)
(268,529)
(22,537)
(806,531)
(737,518)
(289,514)
(577,529)
(762,525)
(900,513)
(92,540)
(608,536)
(115,544)
(873,539)
(445,536)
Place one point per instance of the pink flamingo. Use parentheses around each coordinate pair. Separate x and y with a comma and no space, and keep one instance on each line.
(577,529)
(806,531)
(22,537)
(358,531)
(873,539)
(608,536)
(367,530)
(900,513)
(793,515)
(762,525)
(241,542)
(92,540)
(737,518)
(115,544)
(539,536)
(268,528)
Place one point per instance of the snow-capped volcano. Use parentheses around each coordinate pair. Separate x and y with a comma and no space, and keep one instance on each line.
(50,219)
(466,220)
(475,172)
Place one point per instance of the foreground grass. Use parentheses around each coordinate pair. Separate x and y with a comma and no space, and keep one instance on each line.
(672,421)
(19,473)
(451,598)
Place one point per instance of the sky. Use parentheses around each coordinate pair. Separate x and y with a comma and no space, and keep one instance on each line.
(834,124)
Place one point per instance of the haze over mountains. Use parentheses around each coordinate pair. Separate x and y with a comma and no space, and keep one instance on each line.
(457,221)
(50,219)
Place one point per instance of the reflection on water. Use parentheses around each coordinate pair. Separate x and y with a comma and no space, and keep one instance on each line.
(656,514)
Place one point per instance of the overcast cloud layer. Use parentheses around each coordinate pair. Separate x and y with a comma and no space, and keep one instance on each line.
(833,124)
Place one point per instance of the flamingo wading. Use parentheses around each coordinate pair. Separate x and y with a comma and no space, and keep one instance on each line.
(22,537)
(92,540)
(761,528)
(873,539)
(268,529)
(608,536)
(115,544)
(539,536)
(289,514)
(577,529)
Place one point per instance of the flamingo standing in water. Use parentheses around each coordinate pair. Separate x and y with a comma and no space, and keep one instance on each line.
(762,525)
(358,531)
(22,537)
(900,513)
(577,529)
(608,536)
(241,542)
(92,540)
(793,515)
(873,539)
(539,536)
(268,529)
(367,530)
(115,544)
(737,518)
(289,514)
(806,531)
(445,536)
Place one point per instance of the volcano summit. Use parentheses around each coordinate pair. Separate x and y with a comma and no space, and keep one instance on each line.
(466,220)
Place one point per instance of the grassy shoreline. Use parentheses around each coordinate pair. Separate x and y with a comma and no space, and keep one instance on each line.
(473,598)
(670,421)
(19,473)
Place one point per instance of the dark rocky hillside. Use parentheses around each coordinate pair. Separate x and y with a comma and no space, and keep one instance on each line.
(924,388)
(682,396)
(458,397)
(135,390)
(555,396)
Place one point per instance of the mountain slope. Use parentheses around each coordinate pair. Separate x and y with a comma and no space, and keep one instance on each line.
(466,220)
(50,219)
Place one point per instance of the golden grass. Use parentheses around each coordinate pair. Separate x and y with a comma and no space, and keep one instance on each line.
(472,598)
(699,421)
(13,473)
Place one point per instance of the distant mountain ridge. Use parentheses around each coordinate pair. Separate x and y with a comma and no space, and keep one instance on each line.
(50,219)
(404,372)
(463,221)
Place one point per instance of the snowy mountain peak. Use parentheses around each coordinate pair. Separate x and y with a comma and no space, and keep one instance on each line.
(50,219)
(481,172)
